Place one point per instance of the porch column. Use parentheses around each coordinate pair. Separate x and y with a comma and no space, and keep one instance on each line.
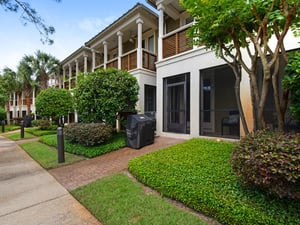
(120,48)
(160,9)
(139,47)
(64,77)
(85,57)
(105,43)
(77,69)
(93,60)
(70,75)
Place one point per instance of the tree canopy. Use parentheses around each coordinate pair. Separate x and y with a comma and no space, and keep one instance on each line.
(30,15)
(240,30)
(100,95)
(54,102)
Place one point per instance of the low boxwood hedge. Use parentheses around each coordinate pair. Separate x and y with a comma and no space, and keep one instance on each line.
(197,173)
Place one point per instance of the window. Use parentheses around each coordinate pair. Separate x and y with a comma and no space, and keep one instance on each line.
(151,44)
(150,98)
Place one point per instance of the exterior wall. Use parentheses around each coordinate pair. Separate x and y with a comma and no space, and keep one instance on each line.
(143,77)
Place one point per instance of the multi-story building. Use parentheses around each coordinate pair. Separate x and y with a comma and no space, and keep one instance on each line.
(129,43)
(195,89)
(189,88)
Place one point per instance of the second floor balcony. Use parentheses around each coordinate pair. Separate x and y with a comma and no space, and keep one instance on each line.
(129,61)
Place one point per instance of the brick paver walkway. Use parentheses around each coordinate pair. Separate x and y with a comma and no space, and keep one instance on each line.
(84,172)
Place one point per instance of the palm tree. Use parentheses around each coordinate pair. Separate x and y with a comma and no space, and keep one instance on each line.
(25,74)
(11,85)
(43,66)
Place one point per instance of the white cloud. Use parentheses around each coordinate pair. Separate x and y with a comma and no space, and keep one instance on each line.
(95,25)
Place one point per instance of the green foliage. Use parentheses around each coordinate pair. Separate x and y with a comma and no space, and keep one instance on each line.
(270,161)
(292,83)
(2,114)
(116,142)
(114,194)
(198,174)
(54,103)
(37,131)
(88,134)
(102,94)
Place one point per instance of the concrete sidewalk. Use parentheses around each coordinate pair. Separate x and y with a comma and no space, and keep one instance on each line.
(30,195)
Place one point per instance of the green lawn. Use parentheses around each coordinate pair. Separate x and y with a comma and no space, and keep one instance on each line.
(116,142)
(118,200)
(8,128)
(198,174)
(17,136)
(47,156)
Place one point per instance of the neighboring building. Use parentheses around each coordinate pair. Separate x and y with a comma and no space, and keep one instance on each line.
(130,43)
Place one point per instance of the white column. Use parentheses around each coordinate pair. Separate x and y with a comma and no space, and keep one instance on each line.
(120,48)
(93,60)
(85,57)
(139,47)
(105,43)
(160,9)
(77,69)
(70,75)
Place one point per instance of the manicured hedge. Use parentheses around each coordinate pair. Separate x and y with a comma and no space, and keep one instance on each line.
(117,141)
(88,134)
(197,173)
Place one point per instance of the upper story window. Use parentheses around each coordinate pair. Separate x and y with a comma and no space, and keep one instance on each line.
(151,44)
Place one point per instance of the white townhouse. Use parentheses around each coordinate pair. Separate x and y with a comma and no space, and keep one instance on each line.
(129,43)
(195,89)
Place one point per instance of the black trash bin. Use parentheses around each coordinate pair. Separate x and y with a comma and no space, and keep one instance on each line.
(139,131)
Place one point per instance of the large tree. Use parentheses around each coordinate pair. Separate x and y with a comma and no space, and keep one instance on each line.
(54,103)
(30,15)
(102,94)
(240,30)
(28,83)
(43,66)
(10,84)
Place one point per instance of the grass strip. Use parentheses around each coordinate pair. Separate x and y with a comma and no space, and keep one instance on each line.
(118,200)
(47,156)
(198,174)
(116,142)
(8,128)
(17,136)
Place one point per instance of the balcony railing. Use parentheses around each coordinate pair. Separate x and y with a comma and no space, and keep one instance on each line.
(176,42)
(129,61)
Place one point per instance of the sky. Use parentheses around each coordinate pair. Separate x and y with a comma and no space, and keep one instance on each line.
(75,22)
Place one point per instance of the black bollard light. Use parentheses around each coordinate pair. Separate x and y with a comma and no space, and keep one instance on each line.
(60,145)
(22,129)
(3,126)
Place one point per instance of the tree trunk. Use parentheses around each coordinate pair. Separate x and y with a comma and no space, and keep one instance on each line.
(279,113)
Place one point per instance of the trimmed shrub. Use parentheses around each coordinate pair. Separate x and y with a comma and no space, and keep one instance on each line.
(269,161)
(88,134)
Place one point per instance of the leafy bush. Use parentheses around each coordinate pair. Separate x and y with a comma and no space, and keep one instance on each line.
(100,95)
(88,134)
(2,114)
(198,174)
(291,82)
(54,102)
(116,142)
(270,161)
